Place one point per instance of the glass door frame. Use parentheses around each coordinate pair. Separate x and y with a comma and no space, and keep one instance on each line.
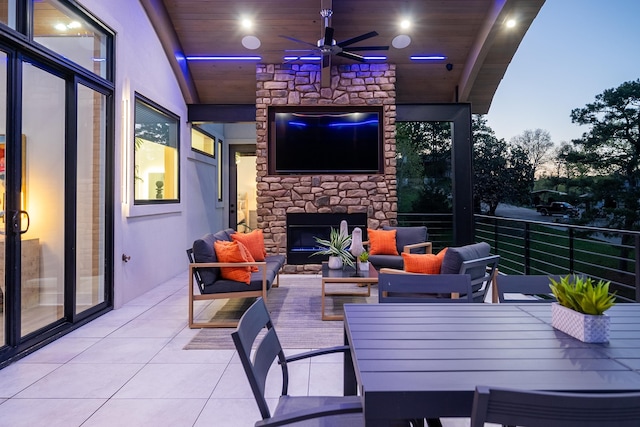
(16,345)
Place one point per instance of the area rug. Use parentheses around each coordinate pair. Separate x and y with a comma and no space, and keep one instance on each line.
(295,308)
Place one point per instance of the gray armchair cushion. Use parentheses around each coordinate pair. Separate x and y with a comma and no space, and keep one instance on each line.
(454,258)
(387,261)
(409,236)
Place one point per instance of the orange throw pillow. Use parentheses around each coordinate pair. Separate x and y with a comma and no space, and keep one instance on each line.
(254,241)
(382,242)
(423,263)
(247,256)
(231,252)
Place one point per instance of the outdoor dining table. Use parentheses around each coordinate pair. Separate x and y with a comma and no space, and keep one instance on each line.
(424,360)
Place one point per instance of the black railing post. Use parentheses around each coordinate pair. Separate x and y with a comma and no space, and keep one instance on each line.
(637,267)
(571,252)
(527,248)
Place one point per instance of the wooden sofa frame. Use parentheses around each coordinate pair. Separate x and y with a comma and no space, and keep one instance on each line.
(195,275)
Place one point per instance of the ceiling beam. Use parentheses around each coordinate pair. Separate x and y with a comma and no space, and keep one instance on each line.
(163,27)
(478,52)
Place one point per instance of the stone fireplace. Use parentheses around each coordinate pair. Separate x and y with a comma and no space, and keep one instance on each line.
(303,228)
(373,196)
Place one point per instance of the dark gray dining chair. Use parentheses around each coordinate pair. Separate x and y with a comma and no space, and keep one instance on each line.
(323,410)
(546,409)
(524,289)
(424,288)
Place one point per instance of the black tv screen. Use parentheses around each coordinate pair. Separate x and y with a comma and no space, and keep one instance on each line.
(311,140)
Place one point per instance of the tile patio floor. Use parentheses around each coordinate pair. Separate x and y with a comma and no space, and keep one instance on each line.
(128,368)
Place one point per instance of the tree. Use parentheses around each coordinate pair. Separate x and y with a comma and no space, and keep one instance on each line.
(612,145)
(501,172)
(536,145)
(423,161)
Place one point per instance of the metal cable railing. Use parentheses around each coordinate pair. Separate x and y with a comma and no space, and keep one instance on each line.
(537,247)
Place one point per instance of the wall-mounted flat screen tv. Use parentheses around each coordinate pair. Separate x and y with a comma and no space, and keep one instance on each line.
(325,140)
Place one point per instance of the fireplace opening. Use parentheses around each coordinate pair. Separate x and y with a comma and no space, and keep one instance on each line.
(303,228)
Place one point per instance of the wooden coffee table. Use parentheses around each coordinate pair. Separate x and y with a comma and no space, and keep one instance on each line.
(346,275)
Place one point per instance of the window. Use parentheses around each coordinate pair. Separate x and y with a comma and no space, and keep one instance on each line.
(71,34)
(202,142)
(156,154)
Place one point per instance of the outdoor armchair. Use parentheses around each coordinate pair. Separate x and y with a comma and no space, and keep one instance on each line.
(324,410)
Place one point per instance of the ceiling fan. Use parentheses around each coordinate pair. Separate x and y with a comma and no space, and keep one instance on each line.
(327,46)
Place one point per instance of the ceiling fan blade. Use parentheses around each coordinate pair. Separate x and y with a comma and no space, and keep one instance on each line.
(350,55)
(357,39)
(363,48)
(298,41)
(328,36)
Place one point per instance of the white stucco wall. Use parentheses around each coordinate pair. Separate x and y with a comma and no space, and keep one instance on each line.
(154,236)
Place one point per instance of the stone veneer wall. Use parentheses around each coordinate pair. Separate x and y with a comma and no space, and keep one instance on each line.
(359,84)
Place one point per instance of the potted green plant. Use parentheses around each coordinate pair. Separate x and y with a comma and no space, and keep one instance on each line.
(581,306)
(363,261)
(337,249)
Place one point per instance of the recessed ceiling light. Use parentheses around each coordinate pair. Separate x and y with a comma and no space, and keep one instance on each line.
(405,24)
(60,27)
(401,41)
(251,42)
(511,23)
(246,23)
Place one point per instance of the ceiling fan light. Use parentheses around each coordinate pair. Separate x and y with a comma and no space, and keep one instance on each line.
(401,41)
(251,42)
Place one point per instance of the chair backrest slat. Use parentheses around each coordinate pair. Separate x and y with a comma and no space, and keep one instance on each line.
(423,287)
(546,409)
(196,273)
(268,348)
(527,289)
(480,285)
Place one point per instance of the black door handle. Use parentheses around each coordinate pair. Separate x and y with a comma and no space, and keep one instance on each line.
(16,222)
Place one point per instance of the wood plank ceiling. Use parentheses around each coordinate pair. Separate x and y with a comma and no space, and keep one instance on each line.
(471,33)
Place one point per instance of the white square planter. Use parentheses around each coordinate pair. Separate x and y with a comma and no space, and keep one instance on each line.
(585,327)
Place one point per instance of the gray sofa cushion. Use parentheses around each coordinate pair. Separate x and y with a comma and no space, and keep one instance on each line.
(409,236)
(454,258)
(387,261)
(203,252)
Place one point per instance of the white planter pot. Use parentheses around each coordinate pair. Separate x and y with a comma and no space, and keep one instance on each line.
(335,263)
(363,266)
(585,327)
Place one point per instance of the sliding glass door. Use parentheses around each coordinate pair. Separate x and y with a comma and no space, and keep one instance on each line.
(43,199)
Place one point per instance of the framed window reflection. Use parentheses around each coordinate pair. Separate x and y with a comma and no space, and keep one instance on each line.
(203,142)
(156,154)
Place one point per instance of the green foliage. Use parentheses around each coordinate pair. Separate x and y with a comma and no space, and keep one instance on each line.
(611,147)
(423,166)
(364,256)
(337,245)
(501,172)
(583,295)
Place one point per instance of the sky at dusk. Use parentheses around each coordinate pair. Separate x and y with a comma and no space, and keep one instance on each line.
(574,50)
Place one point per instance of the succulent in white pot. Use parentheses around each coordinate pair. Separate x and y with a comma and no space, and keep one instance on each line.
(581,306)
